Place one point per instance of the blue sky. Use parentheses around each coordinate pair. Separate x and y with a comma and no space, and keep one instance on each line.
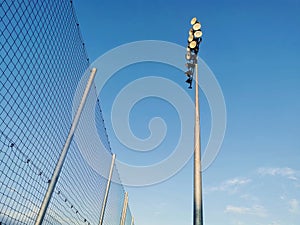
(253,49)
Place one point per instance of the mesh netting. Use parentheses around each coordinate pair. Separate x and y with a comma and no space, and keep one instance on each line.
(42,61)
(115,202)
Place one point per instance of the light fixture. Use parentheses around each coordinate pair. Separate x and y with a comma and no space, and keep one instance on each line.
(190,38)
(194,39)
(193,21)
(188,55)
(197,26)
(198,34)
(193,44)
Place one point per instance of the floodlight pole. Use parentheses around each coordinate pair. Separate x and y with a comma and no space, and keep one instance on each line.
(198,211)
(194,40)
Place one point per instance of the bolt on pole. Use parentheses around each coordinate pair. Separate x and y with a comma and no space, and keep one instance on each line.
(60,162)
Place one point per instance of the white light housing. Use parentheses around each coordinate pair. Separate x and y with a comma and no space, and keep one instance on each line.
(197,26)
(188,55)
(193,21)
(198,34)
(193,44)
(191,38)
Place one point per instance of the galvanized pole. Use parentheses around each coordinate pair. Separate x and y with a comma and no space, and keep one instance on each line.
(124,211)
(198,211)
(55,176)
(132,220)
(107,189)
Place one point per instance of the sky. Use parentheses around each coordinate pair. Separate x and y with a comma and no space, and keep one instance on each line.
(253,50)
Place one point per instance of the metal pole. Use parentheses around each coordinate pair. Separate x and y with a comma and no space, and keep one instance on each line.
(132,220)
(124,211)
(107,189)
(198,211)
(55,176)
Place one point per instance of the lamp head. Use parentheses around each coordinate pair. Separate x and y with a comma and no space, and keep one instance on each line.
(197,26)
(198,34)
(193,21)
(193,44)
(190,38)
(188,55)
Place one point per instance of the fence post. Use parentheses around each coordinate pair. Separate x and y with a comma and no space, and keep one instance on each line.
(60,162)
(124,211)
(107,189)
(132,220)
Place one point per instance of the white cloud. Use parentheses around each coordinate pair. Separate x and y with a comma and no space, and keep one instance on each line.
(237,181)
(294,206)
(235,209)
(274,223)
(249,197)
(256,210)
(281,171)
(231,185)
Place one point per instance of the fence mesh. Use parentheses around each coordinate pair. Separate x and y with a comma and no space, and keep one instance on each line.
(115,202)
(42,59)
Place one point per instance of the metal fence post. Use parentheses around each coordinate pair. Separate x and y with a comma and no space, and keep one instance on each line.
(124,211)
(107,189)
(132,220)
(55,176)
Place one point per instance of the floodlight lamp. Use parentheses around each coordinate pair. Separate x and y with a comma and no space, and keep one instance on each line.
(190,38)
(191,31)
(188,55)
(198,34)
(193,44)
(197,26)
(193,21)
